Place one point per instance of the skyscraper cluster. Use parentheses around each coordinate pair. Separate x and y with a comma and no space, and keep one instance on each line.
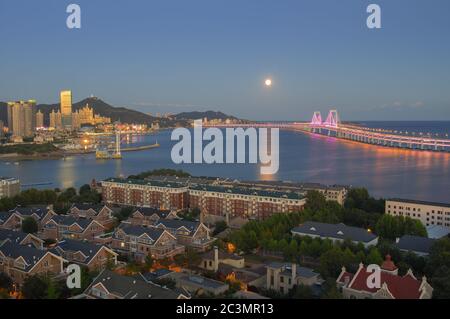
(22,118)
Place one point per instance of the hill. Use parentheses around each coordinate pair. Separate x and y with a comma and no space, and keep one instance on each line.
(123,114)
(201,115)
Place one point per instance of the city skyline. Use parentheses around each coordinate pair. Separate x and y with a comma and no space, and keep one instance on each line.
(176,57)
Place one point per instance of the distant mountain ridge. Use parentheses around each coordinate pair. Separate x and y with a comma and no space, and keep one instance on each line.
(195,115)
(123,114)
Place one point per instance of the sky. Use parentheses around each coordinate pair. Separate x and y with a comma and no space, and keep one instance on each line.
(178,56)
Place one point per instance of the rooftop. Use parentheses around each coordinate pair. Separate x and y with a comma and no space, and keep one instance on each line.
(415,243)
(420,202)
(31,255)
(336,231)
(66,220)
(177,224)
(152,232)
(131,288)
(14,236)
(287,270)
(146,182)
(88,249)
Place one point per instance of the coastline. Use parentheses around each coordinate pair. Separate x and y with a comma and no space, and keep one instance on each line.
(16,157)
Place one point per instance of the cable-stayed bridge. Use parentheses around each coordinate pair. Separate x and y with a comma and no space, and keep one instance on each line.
(333,127)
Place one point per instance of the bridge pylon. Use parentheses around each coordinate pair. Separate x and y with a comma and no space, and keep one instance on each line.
(332,119)
(317,118)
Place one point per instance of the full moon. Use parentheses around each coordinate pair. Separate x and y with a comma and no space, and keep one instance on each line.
(268,82)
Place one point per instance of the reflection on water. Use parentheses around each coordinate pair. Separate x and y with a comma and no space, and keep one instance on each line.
(303,157)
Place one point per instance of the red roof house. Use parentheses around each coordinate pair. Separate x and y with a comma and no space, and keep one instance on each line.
(365,283)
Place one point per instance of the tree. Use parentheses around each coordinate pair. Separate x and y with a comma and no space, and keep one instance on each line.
(441,283)
(149,261)
(85,190)
(35,287)
(374,257)
(192,258)
(330,291)
(220,227)
(439,255)
(315,201)
(6,282)
(331,262)
(29,225)
(392,227)
(301,292)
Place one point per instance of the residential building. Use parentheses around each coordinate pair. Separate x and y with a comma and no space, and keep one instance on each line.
(336,193)
(20,238)
(173,196)
(64,226)
(282,277)
(39,119)
(56,120)
(188,233)
(147,216)
(199,285)
(140,242)
(20,261)
(223,202)
(421,246)
(98,212)
(231,202)
(13,219)
(92,256)
(392,286)
(9,187)
(22,118)
(212,259)
(110,285)
(336,233)
(429,213)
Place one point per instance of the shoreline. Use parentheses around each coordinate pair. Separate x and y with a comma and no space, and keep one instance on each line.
(16,157)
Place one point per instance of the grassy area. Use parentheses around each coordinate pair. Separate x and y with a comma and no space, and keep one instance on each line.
(28,149)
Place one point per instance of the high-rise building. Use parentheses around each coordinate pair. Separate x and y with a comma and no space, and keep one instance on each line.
(22,118)
(76,124)
(66,109)
(39,119)
(55,120)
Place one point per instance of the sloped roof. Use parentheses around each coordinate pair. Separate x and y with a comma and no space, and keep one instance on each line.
(336,231)
(177,223)
(28,211)
(70,220)
(31,255)
(152,232)
(14,236)
(406,287)
(71,245)
(86,206)
(4,216)
(415,243)
(132,288)
(149,211)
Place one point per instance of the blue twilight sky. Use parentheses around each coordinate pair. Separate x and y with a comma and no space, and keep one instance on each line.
(183,55)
